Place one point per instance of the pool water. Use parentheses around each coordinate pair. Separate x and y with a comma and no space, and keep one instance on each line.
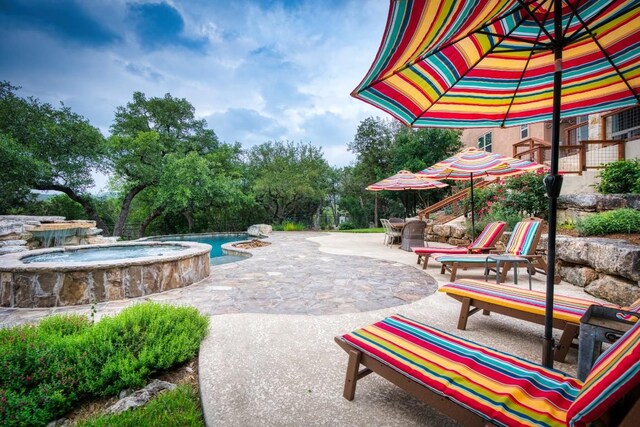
(215,240)
(102,254)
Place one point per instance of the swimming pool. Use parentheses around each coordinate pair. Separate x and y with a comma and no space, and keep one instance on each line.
(217,255)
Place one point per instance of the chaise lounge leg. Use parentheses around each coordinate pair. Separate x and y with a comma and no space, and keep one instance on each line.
(454,270)
(568,334)
(352,375)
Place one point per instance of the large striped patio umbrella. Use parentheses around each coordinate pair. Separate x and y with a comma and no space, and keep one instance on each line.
(486,63)
(472,163)
(405,180)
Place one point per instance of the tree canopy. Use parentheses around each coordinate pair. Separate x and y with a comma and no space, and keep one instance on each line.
(47,148)
(289,180)
(170,173)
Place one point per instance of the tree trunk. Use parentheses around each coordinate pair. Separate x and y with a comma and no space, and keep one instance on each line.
(126,205)
(153,215)
(187,214)
(85,202)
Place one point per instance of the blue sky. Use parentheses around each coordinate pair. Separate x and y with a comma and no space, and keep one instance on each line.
(257,71)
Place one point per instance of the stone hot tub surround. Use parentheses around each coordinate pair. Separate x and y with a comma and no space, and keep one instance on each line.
(55,284)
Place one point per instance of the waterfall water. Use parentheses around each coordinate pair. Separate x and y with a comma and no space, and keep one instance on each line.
(52,238)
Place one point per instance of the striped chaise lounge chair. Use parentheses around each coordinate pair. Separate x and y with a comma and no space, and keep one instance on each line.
(485,242)
(481,386)
(525,305)
(522,243)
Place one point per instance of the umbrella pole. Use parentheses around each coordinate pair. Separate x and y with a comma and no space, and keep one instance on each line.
(473,209)
(375,210)
(553,184)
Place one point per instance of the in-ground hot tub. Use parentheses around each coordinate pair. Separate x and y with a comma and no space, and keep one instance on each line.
(98,273)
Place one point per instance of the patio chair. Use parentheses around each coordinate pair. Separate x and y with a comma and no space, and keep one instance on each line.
(521,246)
(412,235)
(525,305)
(391,234)
(480,386)
(485,242)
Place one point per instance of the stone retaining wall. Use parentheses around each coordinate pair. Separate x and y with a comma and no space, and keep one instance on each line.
(28,285)
(605,268)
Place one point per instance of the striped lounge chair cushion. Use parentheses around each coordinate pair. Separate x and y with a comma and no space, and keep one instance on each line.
(466,258)
(486,239)
(522,238)
(614,374)
(499,387)
(488,236)
(454,250)
(565,308)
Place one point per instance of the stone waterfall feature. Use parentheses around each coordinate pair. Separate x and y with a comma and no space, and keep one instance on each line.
(23,232)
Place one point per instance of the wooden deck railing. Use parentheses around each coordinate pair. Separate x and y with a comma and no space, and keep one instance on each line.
(574,158)
(454,201)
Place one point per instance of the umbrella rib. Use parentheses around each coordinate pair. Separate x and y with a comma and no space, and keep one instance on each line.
(605,53)
(533,17)
(515,92)
(484,55)
(518,39)
(444,46)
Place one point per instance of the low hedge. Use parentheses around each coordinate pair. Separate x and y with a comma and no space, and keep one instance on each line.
(610,222)
(49,367)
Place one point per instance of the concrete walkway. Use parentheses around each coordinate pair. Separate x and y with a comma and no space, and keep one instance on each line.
(264,369)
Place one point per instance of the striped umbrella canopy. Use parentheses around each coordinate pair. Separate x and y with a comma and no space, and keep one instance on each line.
(487,63)
(405,180)
(471,163)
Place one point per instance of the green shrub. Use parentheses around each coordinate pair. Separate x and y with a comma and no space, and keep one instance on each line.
(347,226)
(49,367)
(617,221)
(620,177)
(526,194)
(170,408)
(293,226)
(122,351)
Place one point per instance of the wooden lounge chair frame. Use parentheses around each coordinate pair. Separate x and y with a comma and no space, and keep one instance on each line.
(629,415)
(474,247)
(537,262)
(488,304)
(417,390)
(471,306)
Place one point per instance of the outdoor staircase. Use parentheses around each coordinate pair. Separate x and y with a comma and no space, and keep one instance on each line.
(439,213)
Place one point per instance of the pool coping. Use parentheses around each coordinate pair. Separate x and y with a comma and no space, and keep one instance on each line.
(13,262)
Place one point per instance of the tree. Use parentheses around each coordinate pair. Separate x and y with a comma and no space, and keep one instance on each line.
(47,148)
(383,148)
(195,183)
(289,180)
(147,135)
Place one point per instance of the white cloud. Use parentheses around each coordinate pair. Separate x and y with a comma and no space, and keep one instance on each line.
(268,71)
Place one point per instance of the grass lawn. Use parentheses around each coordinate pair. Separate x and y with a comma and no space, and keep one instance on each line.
(363,230)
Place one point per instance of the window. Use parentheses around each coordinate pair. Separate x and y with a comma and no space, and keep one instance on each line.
(626,124)
(583,131)
(484,142)
(524,131)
